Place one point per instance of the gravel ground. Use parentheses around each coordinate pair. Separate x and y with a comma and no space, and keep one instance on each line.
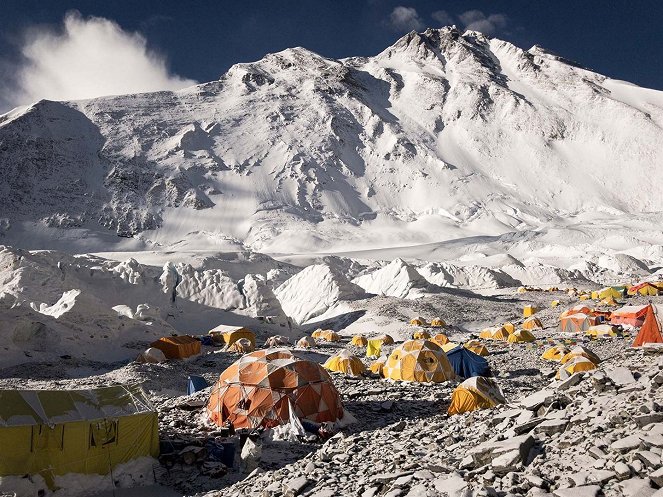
(402,429)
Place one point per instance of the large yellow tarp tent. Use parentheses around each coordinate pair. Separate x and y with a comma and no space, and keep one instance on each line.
(227,335)
(55,432)
(418,360)
(475,393)
(346,363)
(177,347)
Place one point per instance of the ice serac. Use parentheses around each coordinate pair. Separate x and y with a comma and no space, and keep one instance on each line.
(314,290)
(396,279)
(442,135)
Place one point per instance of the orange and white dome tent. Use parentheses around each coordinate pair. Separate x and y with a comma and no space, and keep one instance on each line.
(418,360)
(258,389)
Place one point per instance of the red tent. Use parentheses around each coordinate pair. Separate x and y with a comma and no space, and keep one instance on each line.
(651,329)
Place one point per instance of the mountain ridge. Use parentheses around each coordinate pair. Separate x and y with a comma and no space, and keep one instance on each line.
(441,135)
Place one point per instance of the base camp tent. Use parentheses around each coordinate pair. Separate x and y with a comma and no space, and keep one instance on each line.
(466,363)
(575,323)
(578,309)
(603,331)
(359,341)
(177,347)
(226,335)
(532,324)
(242,346)
(440,339)
(421,335)
(477,347)
(633,315)
(344,362)
(643,289)
(258,389)
(277,341)
(418,321)
(521,336)
(437,323)
(305,343)
(651,331)
(195,384)
(326,335)
(377,366)
(418,360)
(151,355)
(55,432)
(577,365)
(580,351)
(614,292)
(529,310)
(475,393)
(555,353)
(509,327)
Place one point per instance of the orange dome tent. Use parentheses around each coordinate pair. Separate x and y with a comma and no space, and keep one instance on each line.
(575,323)
(633,315)
(258,390)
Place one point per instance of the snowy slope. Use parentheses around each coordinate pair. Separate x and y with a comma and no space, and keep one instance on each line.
(442,135)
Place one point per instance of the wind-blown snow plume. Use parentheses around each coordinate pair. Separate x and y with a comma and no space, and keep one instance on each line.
(89,57)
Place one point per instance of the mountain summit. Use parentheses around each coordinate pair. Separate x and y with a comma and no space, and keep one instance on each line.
(443,134)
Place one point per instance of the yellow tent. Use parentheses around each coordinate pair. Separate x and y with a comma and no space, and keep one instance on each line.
(584,296)
(227,335)
(449,346)
(595,295)
(554,303)
(555,353)
(418,360)
(532,324)
(242,346)
(437,323)
(477,347)
(602,331)
(509,327)
(374,345)
(305,343)
(646,289)
(440,339)
(475,393)
(529,310)
(55,432)
(344,362)
(577,365)
(418,321)
(377,366)
(420,335)
(487,333)
(609,301)
(326,335)
(359,341)
(580,351)
(501,334)
(521,336)
(521,289)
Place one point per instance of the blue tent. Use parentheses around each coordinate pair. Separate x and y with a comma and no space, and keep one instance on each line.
(195,383)
(466,363)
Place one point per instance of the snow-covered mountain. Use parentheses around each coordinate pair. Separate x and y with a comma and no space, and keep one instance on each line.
(442,135)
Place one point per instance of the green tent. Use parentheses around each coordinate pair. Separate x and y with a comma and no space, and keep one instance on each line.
(55,432)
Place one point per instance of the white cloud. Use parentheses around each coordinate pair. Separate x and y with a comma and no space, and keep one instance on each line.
(476,20)
(89,57)
(405,19)
(442,17)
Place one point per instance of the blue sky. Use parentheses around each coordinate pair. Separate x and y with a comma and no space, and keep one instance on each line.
(198,40)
